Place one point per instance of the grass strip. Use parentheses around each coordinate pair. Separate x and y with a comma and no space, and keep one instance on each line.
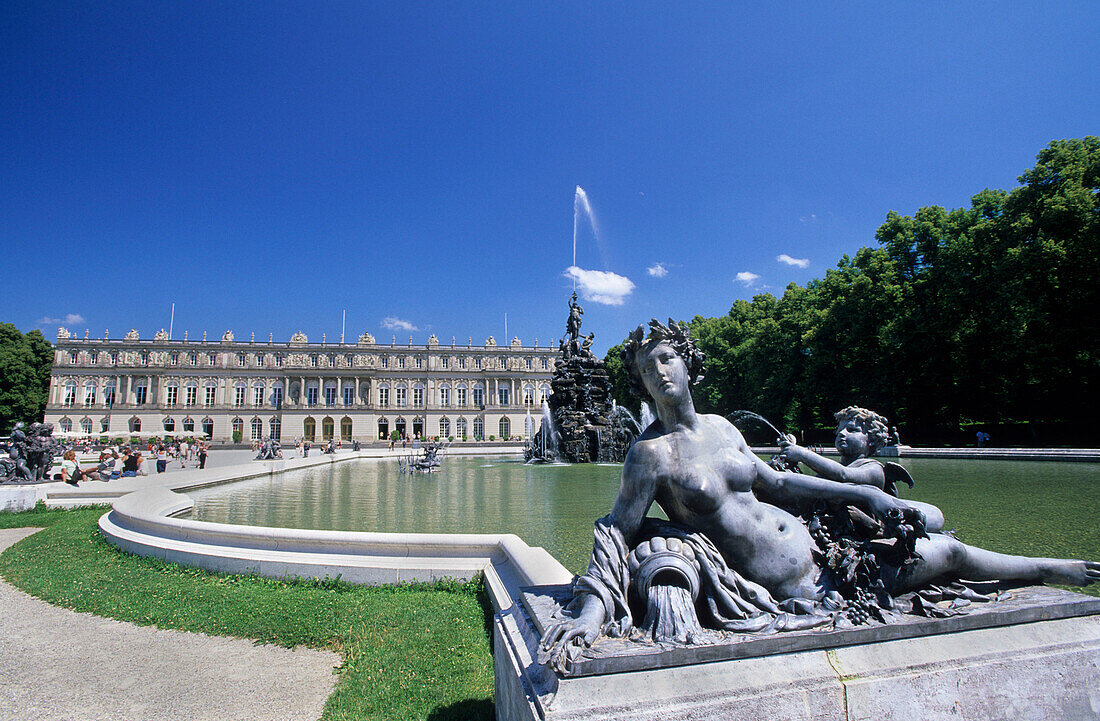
(411,651)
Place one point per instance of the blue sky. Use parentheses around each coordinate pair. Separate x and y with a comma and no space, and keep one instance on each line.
(266,166)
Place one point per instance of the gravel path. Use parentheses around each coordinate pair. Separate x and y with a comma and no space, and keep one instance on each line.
(58,664)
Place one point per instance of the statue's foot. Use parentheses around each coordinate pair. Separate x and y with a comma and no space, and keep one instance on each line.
(1071,572)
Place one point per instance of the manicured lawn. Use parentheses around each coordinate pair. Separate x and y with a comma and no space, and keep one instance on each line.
(409,652)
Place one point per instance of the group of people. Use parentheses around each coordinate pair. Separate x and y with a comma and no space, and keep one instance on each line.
(119,461)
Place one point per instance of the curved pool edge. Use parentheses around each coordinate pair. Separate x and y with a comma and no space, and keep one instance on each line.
(144,522)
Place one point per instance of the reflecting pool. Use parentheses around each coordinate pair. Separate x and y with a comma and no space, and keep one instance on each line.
(1035,508)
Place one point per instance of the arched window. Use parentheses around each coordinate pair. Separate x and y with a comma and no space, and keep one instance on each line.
(208,427)
(89,394)
(239,392)
(479,428)
(444,395)
(104,424)
(258,395)
(504,393)
(86,426)
(400,395)
(528,396)
(479,396)
(544,394)
(345,429)
(309,429)
(505,427)
(418,395)
(276,427)
(238,428)
(69,399)
(460,428)
(210,393)
(444,427)
(171,393)
(135,425)
(383,429)
(191,393)
(460,395)
(327,428)
(257,429)
(383,396)
(66,424)
(189,425)
(169,424)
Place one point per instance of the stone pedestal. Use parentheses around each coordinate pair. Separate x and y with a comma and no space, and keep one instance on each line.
(1040,669)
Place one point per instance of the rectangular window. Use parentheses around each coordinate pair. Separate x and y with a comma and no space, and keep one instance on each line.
(444,397)
(190,394)
(349,395)
(527,363)
(313,361)
(462,363)
(311,396)
(145,357)
(211,395)
(171,395)
(528,397)
(384,397)
(445,362)
(385,361)
(419,362)
(109,396)
(114,357)
(70,396)
(259,360)
(479,397)
(277,397)
(330,396)
(93,357)
(258,396)
(279,361)
(401,362)
(544,363)
(238,396)
(477,363)
(89,396)
(193,359)
(74,356)
(212,358)
(418,397)
(139,395)
(461,398)
(241,360)
(504,394)
(174,359)
(402,397)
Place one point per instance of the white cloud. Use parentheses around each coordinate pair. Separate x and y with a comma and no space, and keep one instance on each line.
(811,218)
(599,286)
(69,319)
(391,323)
(799,262)
(657,270)
(746,277)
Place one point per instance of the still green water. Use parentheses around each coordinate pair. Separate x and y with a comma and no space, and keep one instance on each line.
(1033,508)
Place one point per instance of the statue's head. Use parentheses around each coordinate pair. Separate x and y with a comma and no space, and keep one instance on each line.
(871,423)
(674,335)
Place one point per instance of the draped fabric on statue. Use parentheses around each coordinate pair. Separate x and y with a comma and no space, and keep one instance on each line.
(729,600)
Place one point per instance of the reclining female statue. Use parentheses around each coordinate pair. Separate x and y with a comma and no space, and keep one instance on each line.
(759,567)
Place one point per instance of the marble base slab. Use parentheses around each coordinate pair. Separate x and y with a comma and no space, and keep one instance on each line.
(1048,667)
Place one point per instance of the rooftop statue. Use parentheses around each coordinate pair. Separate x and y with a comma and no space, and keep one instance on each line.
(728,560)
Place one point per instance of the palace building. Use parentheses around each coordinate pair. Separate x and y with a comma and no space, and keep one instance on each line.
(297,389)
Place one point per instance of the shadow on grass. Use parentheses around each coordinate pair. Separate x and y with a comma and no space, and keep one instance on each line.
(471,708)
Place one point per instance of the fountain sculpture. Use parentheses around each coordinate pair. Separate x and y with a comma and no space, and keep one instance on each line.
(29,455)
(583,427)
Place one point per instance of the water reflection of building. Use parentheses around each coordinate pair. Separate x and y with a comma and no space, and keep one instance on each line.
(361,390)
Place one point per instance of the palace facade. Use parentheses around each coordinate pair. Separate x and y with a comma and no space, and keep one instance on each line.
(297,389)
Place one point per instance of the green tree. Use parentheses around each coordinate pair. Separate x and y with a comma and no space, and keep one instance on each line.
(25,362)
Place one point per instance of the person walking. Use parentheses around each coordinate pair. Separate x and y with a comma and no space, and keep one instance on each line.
(162,458)
(202,454)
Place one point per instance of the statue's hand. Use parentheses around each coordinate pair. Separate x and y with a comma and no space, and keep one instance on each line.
(885,506)
(572,634)
(791,450)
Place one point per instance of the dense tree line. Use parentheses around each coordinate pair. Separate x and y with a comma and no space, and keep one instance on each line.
(981,315)
(25,361)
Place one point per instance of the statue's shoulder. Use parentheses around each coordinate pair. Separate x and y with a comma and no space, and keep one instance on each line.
(649,450)
(865,461)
